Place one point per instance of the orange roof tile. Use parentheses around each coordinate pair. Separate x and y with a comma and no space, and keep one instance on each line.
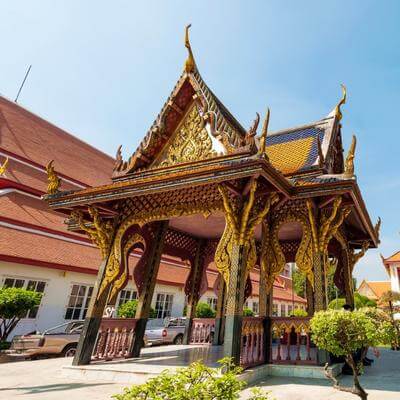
(393,258)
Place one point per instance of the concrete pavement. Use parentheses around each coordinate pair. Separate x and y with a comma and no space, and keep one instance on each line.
(42,380)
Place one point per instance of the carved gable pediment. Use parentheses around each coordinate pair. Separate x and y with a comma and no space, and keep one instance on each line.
(190,142)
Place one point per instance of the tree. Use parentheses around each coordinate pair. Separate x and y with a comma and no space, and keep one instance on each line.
(360,301)
(204,310)
(299,283)
(14,304)
(388,299)
(298,312)
(343,333)
(194,382)
(128,310)
(247,312)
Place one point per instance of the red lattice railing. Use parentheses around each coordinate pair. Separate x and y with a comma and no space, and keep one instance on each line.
(291,341)
(252,350)
(202,331)
(115,338)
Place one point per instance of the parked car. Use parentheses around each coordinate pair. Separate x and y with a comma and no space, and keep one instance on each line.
(167,331)
(60,340)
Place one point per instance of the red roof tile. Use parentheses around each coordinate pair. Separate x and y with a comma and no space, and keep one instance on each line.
(30,137)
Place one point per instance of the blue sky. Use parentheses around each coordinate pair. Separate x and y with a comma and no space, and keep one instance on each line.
(102,70)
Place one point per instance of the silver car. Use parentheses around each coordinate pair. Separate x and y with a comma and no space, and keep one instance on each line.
(61,340)
(167,331)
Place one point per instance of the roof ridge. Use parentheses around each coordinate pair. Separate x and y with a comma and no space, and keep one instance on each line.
(299,127)
(43,120)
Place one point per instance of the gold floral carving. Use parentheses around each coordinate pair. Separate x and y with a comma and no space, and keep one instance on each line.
(101,233)
(328,226)
(121,281)
(241,220)
(272,256)
(53,181)
(355,257)
(191,142)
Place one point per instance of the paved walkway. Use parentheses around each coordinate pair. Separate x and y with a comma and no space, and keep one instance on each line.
(381,381)
(42,380)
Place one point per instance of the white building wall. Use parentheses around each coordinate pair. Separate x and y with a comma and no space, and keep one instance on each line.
(58,288)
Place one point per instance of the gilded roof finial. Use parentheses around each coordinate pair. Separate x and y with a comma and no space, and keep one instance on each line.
(263,139)
(377,227)
(53,180)
(189,63)
(3,167)
(338,112)
(320,153)
(349,163)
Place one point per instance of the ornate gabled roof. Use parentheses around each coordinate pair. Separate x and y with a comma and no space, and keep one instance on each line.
(298,150)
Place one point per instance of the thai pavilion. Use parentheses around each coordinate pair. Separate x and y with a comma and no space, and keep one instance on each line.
(202,188)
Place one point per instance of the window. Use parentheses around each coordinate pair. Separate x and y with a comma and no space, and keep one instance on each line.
(255,307)
(283,310)
(28,284)
(78,302)
(290,310)
(275,309)
(126,295)
(212,302)
(164,305)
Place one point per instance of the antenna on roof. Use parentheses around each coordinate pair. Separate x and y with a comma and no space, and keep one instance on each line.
(23,83)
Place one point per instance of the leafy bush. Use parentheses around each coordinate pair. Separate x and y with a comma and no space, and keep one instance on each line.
(5,345)
(343,333)
(14,304)
(203,310)
(196,382)
(128,310)
(247,312)
(298,312)
(360,301)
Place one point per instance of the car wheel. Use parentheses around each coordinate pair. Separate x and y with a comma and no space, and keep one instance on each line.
(69,351)
(178,339)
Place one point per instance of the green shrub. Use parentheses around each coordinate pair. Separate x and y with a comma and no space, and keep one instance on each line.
(247,312)
(360,301)
(128,310)
(14,304)
(5,345)
(298,312)
(343,333)
(196,382)
(203,310)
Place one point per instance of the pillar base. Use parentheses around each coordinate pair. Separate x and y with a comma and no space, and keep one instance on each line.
(138,342)
(87,341)
(233,337)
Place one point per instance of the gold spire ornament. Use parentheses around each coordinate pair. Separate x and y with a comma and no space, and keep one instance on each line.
(189,63)
(349,163)
(263,139)
(336,112)
(53,181)
(3,167)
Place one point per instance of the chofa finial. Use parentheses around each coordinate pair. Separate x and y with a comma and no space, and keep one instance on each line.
(377,227)
(263,139)
(349,163)
(189,63)
(337,112)
(54,182)
(3,167)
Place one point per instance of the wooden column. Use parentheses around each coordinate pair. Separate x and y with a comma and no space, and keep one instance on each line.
(347,277)
(310,298)
(150,277)
(219,317)
(266,301)
(234,305)
(197,270)
(319,283)
(87,339)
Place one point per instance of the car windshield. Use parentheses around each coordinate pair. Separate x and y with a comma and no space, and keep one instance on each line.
(155,323)
(68,327)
